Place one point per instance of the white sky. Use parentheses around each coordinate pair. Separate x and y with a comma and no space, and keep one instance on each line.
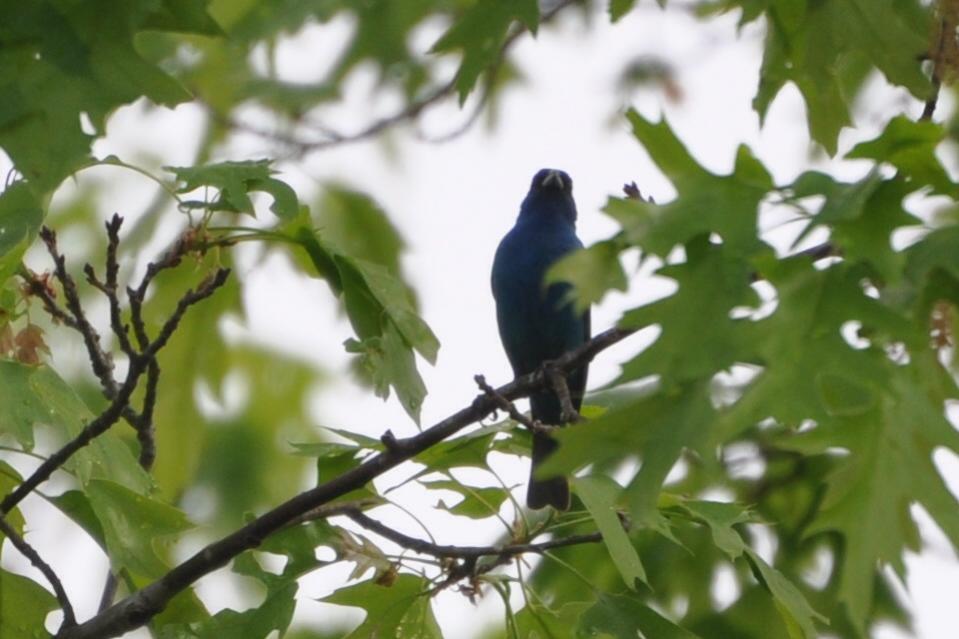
(453,202)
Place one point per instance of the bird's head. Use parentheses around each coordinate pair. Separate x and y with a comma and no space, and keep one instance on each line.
(550,196)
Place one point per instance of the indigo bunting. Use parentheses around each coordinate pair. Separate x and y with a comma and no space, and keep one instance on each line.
(537,322)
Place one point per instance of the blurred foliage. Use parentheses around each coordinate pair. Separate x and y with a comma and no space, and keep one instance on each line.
(812,406)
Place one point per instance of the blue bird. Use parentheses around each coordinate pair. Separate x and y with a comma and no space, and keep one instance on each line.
(537,323)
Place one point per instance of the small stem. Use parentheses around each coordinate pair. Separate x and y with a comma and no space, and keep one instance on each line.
(69,618)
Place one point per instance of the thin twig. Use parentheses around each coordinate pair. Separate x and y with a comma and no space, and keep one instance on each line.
(109,287)
(91,431)
(463,552)
(411,111)
(37,287)
(205,289)
(534,425)
(109,591)
(69,618)
(101,362)
(107,418)
(942,33)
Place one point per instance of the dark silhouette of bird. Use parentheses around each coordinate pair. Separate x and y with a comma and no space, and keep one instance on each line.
(538,323)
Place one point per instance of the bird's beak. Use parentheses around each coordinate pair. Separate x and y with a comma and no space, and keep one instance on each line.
(554,177)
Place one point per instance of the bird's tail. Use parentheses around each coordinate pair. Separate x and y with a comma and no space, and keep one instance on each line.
(551,491)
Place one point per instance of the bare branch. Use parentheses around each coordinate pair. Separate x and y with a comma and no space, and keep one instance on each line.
(944,44)
(101,362)
(409,112)
(37,286)
(121,400)
(28,551)
(139,607)
(534,425)
(109,287)
(205,289)
(463,552)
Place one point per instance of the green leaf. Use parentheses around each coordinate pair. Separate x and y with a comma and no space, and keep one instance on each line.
(536,621)
(197,352)
(627,617)
(23,607)
(64,60)
(466,451)
(21,214)
(32,395)
(725,205)
(480,33)
(842,396)
(299,544)
(234,181)
(720,517)
(713,282)
(132,524)
(619,8)
(592,272)
(357,226)
(324,450)
(844,202)
(271,615)
(382,313)
(861,216)
(76,505)
(401,609)
(802,343)
(889,467)
(809,44)
(320,257)
(389,298)
(796,612)
(600,494)
(9,480)
(656,428)
(910,147)
(477,503)
(370,443)
(389,363)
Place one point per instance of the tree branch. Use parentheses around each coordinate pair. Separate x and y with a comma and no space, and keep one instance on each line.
(465,552)
(139,607)
(69,617)
(533,425)
(92,430)
(102,363)
(411,111)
